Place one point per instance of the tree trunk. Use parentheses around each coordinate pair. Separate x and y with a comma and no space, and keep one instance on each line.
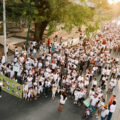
(39,31)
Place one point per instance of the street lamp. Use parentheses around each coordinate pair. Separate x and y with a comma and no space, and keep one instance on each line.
(4,27)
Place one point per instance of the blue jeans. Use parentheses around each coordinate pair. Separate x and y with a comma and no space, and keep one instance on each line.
(34,55)
(109,116)
(92,108)
(109,106)
(102,118)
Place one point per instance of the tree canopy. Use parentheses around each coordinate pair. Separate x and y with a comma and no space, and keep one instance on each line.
(48,14)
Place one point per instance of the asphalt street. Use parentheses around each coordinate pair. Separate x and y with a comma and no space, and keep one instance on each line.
(12,108)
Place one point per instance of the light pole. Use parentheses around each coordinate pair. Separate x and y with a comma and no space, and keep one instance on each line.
(4,27)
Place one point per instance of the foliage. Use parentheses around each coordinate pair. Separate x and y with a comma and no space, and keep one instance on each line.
(91,29)
(50,13)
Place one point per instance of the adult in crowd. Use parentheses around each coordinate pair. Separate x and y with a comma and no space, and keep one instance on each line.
(112,110)
(105,112)
(63,99)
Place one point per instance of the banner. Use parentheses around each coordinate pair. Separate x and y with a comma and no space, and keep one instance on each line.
(11,86)
(87,102)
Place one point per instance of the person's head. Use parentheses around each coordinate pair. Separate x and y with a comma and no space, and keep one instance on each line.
(114,96)
(99,86)
(106,106)
(96,95)
(92,89)
(29,75)
(114,103)
(64,95)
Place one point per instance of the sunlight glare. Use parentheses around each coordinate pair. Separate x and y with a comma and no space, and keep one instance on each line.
(113,1)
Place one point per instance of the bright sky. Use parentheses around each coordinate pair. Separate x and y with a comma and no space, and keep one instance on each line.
(113,1)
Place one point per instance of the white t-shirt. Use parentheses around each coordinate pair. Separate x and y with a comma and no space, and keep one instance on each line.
(80,78)
(1,83)
(53,66)
(39,65)
(11,73)
(112,108)
(86,82)
(104,113)
(25,87)
(21,59)
(101,104)
(94,101)
(29,79)
(62,100)
(34,51)
(3,60)
(94,82)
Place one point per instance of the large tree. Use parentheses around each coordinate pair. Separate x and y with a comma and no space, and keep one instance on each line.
(48,14)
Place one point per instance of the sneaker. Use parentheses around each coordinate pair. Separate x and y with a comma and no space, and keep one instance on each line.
(0,96)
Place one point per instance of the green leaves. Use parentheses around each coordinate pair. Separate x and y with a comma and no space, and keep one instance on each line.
(91,28)
(51,28)
(36,12)
(53,12)
(40,19)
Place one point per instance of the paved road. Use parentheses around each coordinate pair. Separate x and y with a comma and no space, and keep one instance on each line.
(12,108)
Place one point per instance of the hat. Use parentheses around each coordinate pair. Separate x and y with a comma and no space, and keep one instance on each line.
(106,106)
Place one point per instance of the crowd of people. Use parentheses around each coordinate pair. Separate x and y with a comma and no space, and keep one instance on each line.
(70,70)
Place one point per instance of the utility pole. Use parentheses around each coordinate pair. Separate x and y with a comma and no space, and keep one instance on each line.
(4,27)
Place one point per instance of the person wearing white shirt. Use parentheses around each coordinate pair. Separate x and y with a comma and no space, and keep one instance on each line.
(94,82)
(16,68)
(25,90)
(3,59)
(39,65)
(34,53)
(100,107)
(76,94)
(29,80)
(16,53)
(63,99)
(108,71)
(104,113)
(11,73)
(91,93)
(112,110)
(80,84)
(80,78)
(53,67)
(40,87)
(94,100)
(21,59)
(55,76)
(47,63)
(49,58)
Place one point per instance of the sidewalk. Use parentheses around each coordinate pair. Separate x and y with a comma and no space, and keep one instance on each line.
(12,42)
